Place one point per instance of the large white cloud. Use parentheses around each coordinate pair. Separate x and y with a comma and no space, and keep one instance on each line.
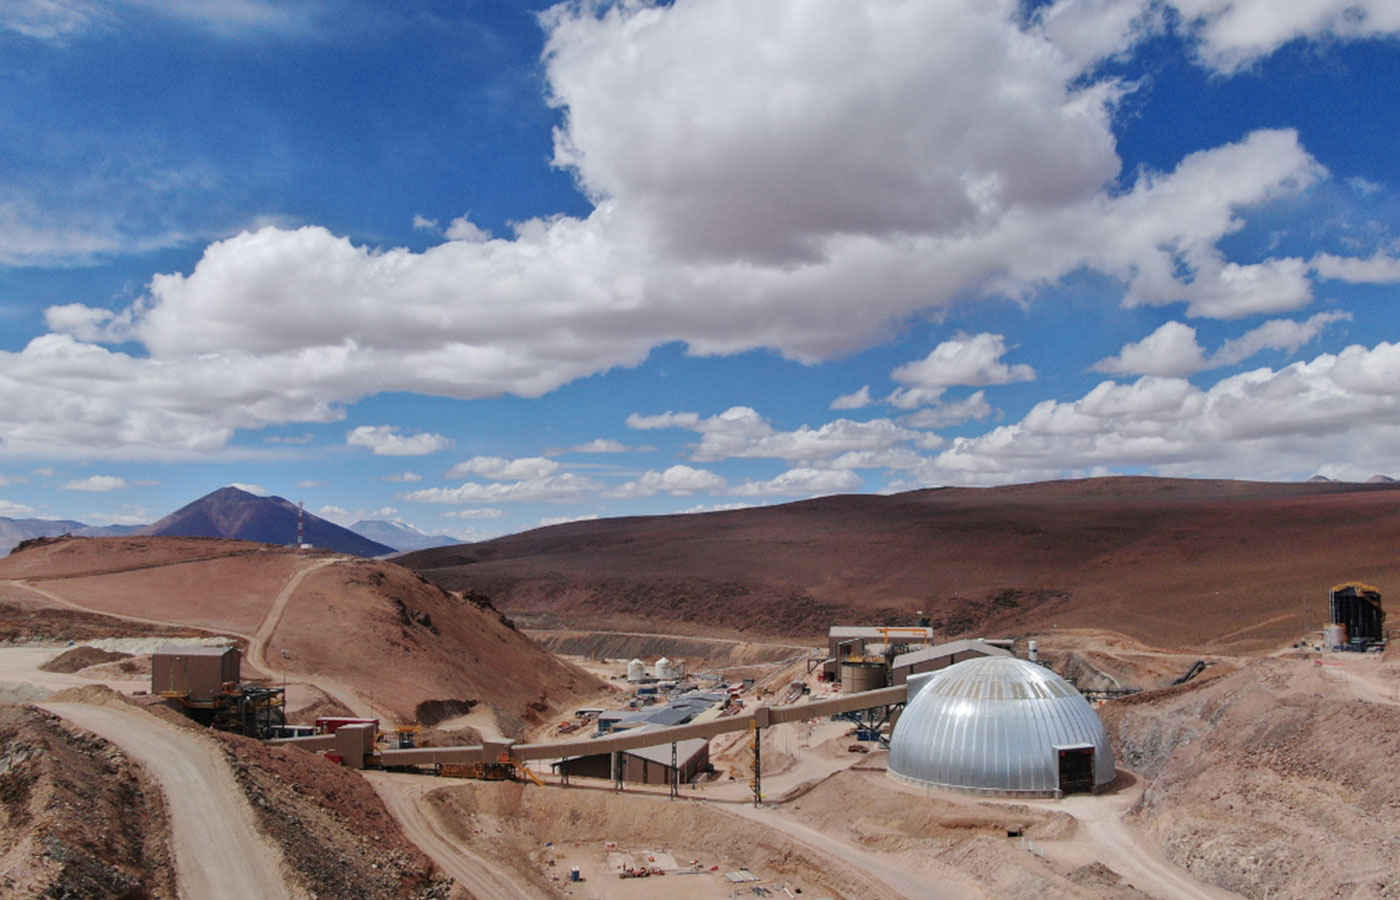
(1340,410)
(727,217)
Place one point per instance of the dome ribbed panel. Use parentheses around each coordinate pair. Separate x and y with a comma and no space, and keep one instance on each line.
(993,724)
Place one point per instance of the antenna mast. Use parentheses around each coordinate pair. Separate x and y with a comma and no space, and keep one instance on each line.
(301,510)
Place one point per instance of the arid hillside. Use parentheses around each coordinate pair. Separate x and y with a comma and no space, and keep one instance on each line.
(1273,780)
(1170,562)
(378,632)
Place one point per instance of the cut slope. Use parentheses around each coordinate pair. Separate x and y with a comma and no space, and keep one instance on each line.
(1171,562)
(233,513)
(1271,781)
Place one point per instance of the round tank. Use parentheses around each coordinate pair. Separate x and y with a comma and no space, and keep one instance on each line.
(636,670)
(1000,725)
(1033,650)
(664,669)
(861,676)
(1334,636)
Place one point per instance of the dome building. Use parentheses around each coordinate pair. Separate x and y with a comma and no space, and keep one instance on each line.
(1001,726)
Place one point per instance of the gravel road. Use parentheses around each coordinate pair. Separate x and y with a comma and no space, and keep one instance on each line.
(219,854)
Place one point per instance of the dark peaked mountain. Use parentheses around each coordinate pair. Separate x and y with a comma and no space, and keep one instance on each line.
(400,535)
(233,513)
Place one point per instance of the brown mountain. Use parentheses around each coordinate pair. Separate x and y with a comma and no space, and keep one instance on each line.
(236,514)
(1170,562)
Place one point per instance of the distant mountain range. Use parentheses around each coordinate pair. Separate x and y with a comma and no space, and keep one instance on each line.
(400,535)
(233,513)
(12,531)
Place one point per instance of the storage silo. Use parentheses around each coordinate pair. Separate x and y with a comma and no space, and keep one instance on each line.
(1000,725)
(636,670)
(862,675)
(664,671)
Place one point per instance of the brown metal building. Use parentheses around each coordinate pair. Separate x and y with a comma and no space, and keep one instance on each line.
(647,765)
(197,674)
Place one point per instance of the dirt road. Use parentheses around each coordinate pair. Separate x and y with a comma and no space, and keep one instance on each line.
(219,854)
(257,641)
(901,883)
(485,879)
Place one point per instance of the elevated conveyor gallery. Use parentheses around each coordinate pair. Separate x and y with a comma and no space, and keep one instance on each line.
(762,717)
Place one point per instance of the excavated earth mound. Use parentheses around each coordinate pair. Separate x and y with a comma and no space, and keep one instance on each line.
(77,818)
(332,827)
(1274,780)
(1175,563)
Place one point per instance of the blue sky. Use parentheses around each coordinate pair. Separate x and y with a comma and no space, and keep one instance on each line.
(479,267)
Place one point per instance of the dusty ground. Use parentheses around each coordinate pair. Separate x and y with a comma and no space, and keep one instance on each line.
(77,817)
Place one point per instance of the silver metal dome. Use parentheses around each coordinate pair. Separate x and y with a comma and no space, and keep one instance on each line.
(1000,725)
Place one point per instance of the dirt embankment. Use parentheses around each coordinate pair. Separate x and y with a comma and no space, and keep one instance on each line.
(77,818)
(80,658)
(1270,781)
(27,623)
(332,827)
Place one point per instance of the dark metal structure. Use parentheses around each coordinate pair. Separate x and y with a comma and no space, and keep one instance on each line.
(1357,606)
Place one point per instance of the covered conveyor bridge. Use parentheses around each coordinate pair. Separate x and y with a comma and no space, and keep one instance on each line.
(762,717)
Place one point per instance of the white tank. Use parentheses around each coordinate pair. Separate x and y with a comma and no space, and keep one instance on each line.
(664,670)
(636,670)
(1033,650)
(1334,636)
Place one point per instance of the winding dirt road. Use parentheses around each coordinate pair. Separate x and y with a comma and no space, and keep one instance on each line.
(257,641)
(219,854)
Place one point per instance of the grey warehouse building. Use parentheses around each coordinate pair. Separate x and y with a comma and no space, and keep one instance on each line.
(1000,726)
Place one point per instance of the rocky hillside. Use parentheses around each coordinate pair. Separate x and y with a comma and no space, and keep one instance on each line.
(77,817)
(1274,780)
(1171,562)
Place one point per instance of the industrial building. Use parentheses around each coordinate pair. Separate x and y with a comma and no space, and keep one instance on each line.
(1000,725)
(205,683)
(196,674)
(644,765)
(846,642)
(1355,616)
(931,659)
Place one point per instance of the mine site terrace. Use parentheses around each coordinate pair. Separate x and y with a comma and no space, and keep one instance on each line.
(355,728)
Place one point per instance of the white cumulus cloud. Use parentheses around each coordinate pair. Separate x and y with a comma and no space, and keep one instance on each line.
(678,481)
(97,483)
(386,440)
(554,488)
(499,468)
(801,482)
